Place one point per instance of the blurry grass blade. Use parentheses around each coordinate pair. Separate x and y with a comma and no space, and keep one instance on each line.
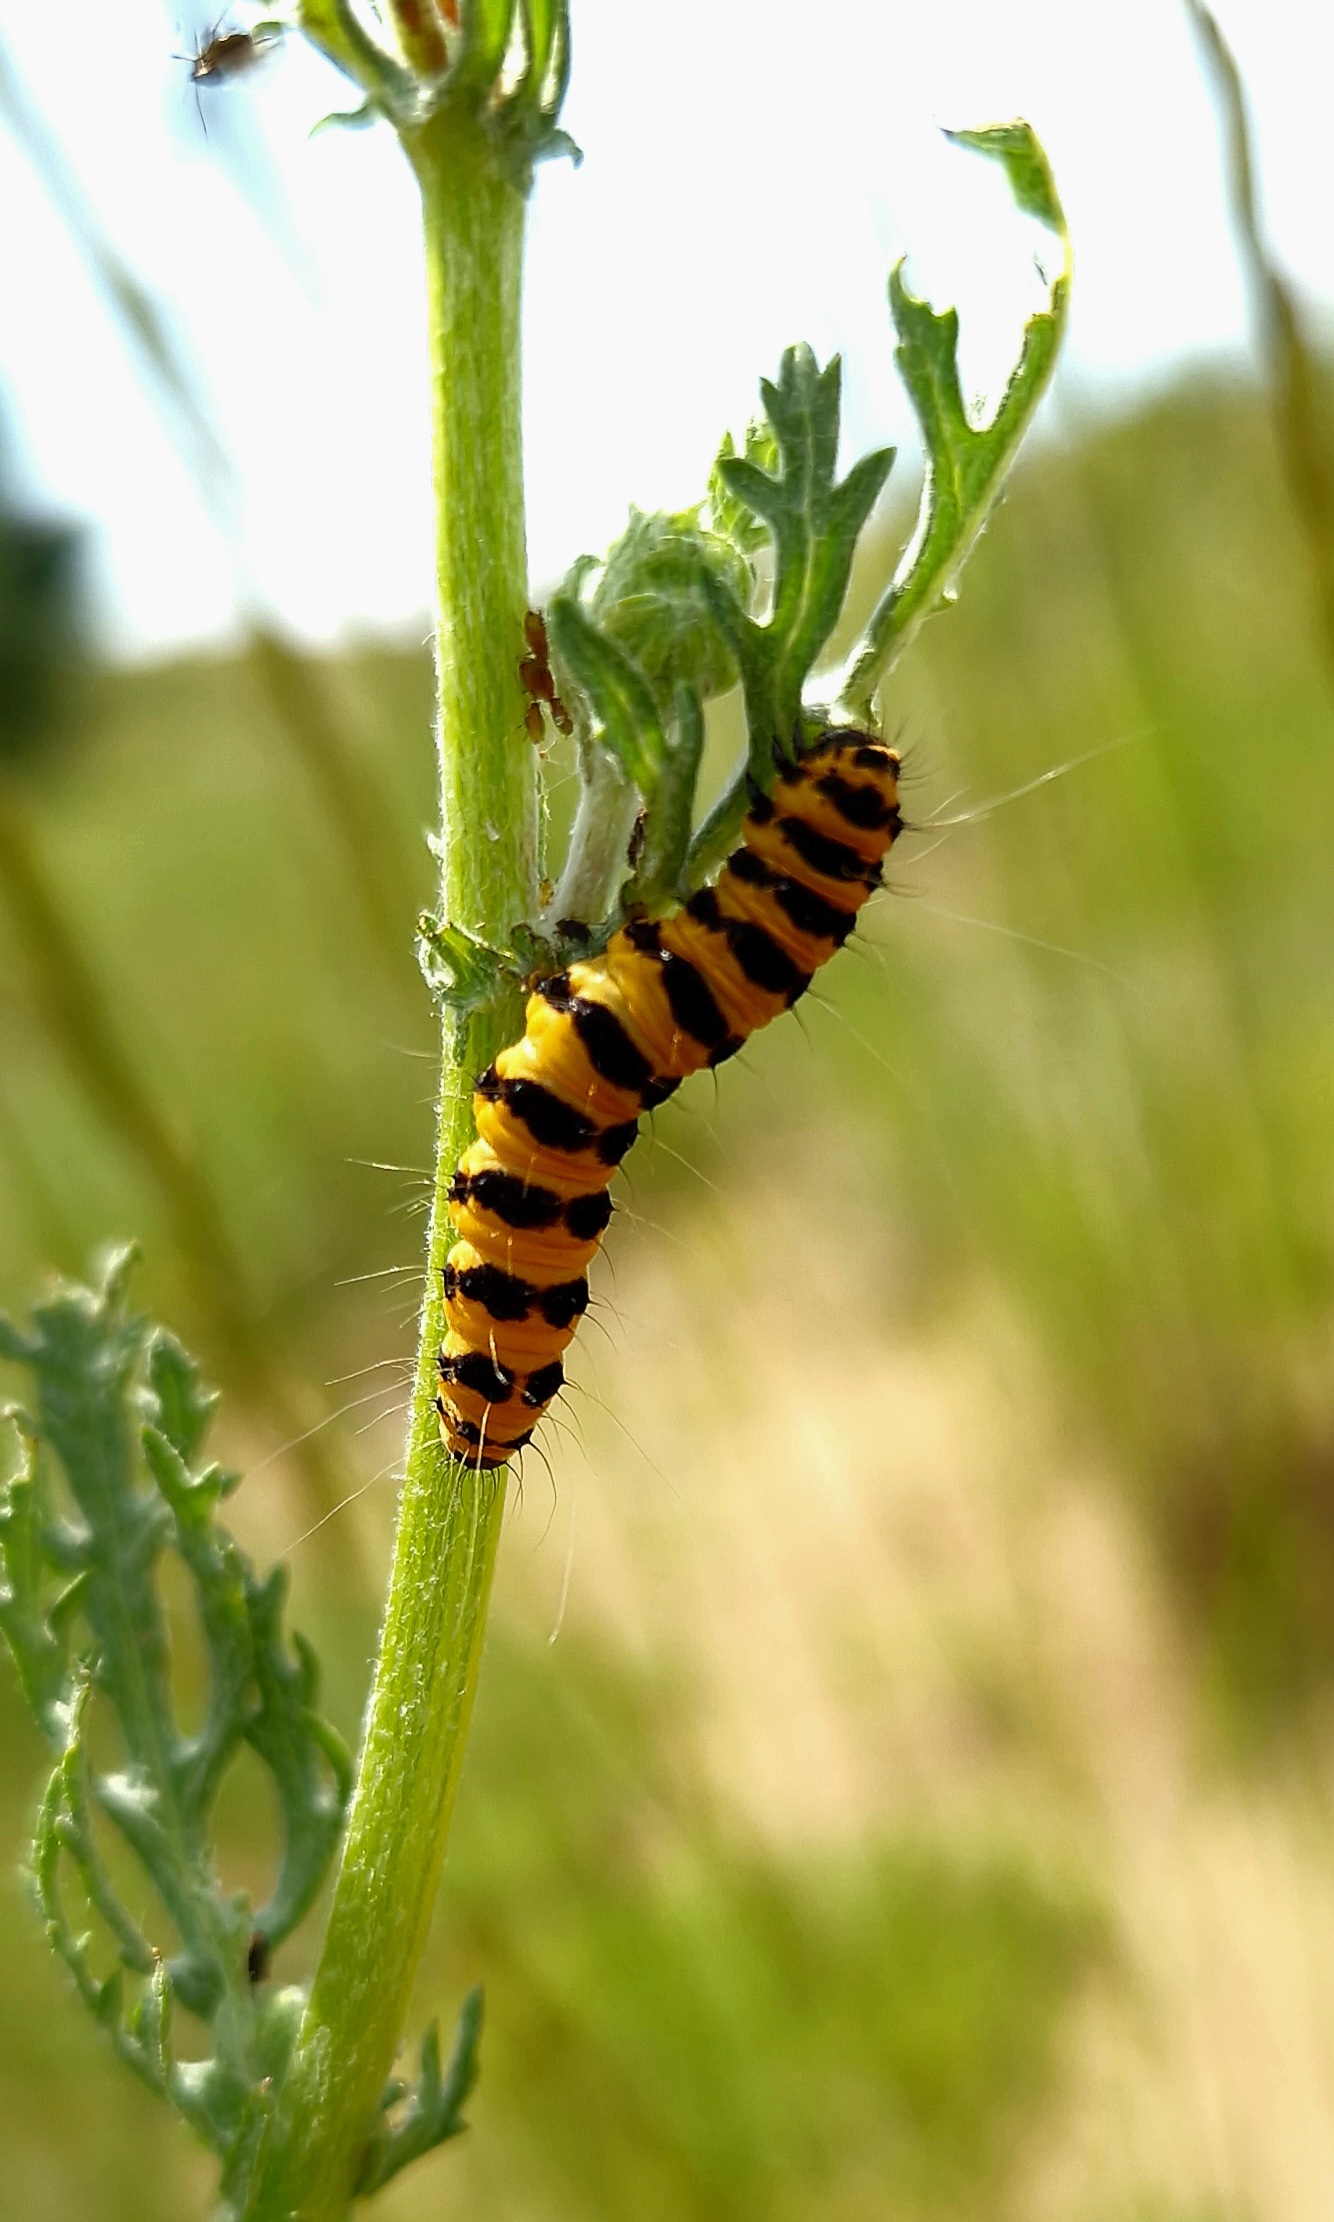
(965,463)
(142,317)
(43,1192)
(1292,368)
(433,2110)
(78,1012)
(369,845)
(356,812)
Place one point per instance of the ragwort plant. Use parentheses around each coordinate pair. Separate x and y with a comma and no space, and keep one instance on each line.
(294,2091)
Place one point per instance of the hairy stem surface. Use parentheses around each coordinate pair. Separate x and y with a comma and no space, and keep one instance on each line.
(449,1517)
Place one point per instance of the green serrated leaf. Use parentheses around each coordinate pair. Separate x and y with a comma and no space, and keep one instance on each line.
(37,1636)
(966,463)
(1018,148)
(659,594)
(119,1408)
(459,969)
(627,719)
(310,1764)
(433,2110)
(74,1827)
(185,1408)
(730,517)
(785,482)
(812,523)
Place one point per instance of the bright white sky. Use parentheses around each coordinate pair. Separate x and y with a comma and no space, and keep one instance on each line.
(748,178)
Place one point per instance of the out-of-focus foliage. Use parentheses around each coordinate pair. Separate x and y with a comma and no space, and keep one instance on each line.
(1129,1141)
(1138,1124)
(42,619)
(683,2026)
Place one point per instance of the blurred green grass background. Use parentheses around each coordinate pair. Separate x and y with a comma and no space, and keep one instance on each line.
(923,1808)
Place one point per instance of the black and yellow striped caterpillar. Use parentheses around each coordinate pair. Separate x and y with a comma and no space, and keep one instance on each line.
(611,1038)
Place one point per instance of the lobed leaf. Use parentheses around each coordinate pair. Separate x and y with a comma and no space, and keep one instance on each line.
(729,515)
(433,2110)
(459,968)
(119,1420)
(309,1763)
(966,463)
(667,591)
(626,717)
(813,523)
(643,640)
(36,1625)
(783,490)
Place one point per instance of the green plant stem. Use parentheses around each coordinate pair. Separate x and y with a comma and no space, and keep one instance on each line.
(449,1516)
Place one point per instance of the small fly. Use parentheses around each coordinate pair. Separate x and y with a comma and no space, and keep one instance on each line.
(227,55)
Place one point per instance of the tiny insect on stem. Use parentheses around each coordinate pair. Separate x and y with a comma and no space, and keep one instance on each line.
(539,682)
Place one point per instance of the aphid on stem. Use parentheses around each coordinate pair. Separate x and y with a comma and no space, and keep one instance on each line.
(539,681)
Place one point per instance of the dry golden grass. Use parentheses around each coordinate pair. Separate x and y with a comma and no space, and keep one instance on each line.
(905,1597)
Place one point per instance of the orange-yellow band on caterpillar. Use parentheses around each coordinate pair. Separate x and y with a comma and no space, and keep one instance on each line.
(607,1041)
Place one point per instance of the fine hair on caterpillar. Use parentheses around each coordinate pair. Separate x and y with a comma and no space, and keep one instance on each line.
(612,1037)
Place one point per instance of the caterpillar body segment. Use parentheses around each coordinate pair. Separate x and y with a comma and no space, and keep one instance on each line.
(613,1037)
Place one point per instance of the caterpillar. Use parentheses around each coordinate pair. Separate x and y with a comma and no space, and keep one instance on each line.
(611,1038)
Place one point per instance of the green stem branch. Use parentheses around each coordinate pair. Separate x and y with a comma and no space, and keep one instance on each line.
(449,1516)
